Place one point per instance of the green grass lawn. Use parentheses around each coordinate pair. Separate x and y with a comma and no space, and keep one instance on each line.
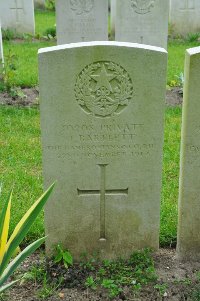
(20,149)
(44,20)
(26,52)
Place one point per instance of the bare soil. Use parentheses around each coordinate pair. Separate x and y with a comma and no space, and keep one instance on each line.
(31,98)
(177,282)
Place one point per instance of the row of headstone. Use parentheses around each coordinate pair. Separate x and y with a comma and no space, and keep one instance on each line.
(142,21)
(145,23)
(102,111)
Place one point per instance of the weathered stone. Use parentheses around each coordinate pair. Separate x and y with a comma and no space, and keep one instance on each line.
(142,21)
(112,18)
(79,20)
(102,107)
(185,16)
(17,15)
(188,246)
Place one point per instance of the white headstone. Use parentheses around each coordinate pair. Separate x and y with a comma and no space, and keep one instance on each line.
(142,21)
(188,246)
(102,108)
(1,47)
(17,15)
(185,16)
(80,21)
(112,17)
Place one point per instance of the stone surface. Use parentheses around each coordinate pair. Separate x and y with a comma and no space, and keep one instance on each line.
(112,18)
(17,15)
(185,16)
(1,47)
(142,21)
(188,246)
(102,107)
(80,21)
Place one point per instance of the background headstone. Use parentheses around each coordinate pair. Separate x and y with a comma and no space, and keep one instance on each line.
(79,20)
(102,107)
(112,18)
(17,15)
(1,46)
(142,21)
(185,16)
(188,245)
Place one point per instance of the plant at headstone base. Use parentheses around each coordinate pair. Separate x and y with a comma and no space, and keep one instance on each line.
(114,276)
(8,247)
(50,4)
(161,288)
(195,295)
(63,256)
(16,92)
(7,34)
(193,37)
(48,289)
(7,72)
(91,283)
(50,32)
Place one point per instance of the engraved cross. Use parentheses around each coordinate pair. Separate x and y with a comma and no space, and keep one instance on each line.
(103,192)
(17,8)
(188,5)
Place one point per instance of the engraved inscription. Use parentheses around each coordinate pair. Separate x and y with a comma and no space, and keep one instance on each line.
(17,8)
(103,192)
(103,89)
(188,5)
(81,6)
(142,7)
(111,139)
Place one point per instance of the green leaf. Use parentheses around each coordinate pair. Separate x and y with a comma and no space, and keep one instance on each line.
(7,286)
(67,257)
(19,258)
(58,258)
(18,236)
(3,213)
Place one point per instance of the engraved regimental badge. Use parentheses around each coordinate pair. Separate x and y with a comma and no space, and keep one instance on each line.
(142,6)
(103,89)
(81,6)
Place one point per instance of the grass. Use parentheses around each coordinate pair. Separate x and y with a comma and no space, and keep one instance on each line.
(20,164)
(170,176)
(176,57)
(27,67)
(44,20)
(26,74)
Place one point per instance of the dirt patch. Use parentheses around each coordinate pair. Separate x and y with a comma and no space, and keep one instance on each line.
(27,97)
(177,281)
(30,97)
(174,97)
